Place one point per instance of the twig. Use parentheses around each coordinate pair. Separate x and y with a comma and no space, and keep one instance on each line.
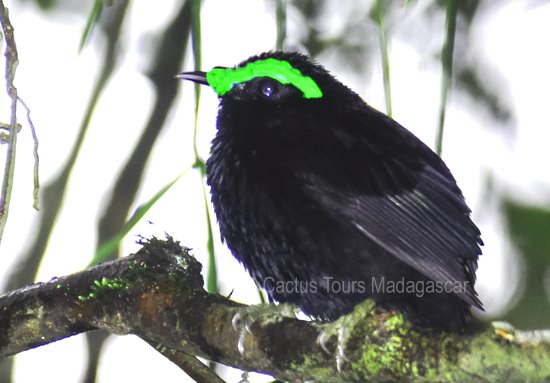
(36,178)
(11,66)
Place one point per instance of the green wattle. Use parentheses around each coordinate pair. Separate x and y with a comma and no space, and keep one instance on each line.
(223,79)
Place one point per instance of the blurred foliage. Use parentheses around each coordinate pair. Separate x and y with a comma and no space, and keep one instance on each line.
(280,15)
(447,59)
(91,22)
(165,62)
(47,4)
(469,74)
(378,15)
(529,229)
(80,7)
(356,43)
(112,245)
(466,8)
(351,43)
(199,163)
(471,81)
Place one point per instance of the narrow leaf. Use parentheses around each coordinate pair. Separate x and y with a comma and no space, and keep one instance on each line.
(112,244)
(90,23)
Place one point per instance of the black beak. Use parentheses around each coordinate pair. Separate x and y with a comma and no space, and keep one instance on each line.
(197,76)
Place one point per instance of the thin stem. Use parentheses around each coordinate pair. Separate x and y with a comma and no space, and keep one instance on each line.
(197,59)
(447,70)
(212,275)
(379,14)
(36,177)
(281,24)
(9,168)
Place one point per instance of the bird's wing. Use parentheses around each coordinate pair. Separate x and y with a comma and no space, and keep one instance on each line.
(405,201)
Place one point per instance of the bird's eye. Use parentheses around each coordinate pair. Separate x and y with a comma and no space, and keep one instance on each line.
(268,89)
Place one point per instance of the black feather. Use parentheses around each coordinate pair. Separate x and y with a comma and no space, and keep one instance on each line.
(328,190)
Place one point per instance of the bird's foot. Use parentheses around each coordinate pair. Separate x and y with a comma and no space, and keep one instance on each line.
(342,333)
(343,338)
(265,313)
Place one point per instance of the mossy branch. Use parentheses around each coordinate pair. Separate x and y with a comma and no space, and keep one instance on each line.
(158,295)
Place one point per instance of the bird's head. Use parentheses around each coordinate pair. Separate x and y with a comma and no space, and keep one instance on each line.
(280,103)
(273,79)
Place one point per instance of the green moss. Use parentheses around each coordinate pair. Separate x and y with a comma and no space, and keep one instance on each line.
(501,359)
(388,350)
(99,286)
(395,322)
(386,347)
(136,266)
(182,262)
(382,358)
(310,367)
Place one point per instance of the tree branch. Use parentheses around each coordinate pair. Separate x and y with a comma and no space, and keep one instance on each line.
(158,295)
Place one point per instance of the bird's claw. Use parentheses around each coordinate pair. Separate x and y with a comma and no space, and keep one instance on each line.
(243,320)
(342,336)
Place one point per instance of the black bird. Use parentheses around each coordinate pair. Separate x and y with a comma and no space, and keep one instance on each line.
(327,201)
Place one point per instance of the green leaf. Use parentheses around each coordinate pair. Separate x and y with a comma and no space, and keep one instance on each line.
(378,13)
(112,244)
(90,23)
